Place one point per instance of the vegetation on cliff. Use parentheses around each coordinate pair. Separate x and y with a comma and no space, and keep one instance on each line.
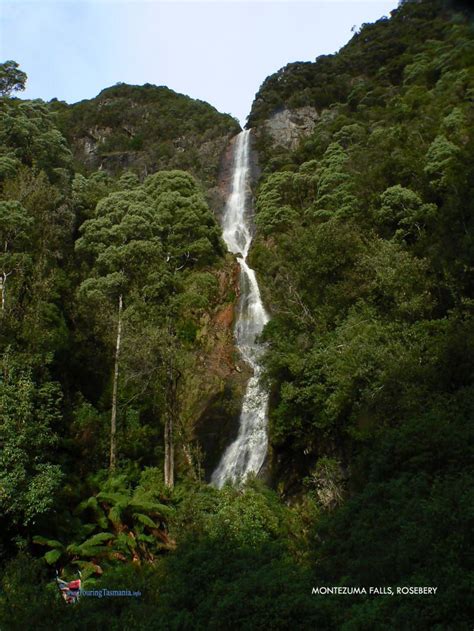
(365,248)
(144,129)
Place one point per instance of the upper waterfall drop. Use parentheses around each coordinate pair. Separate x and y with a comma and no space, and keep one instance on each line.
(247,453)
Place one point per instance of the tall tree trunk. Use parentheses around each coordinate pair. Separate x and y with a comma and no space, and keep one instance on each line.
(169,452)
(172,404)
(113,417)
(2,286)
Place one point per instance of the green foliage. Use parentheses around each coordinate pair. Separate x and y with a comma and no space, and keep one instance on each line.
(146,129)
(353,244)
(368,273)
(403,213)
(119,523)
(412,487)
(88,191)
(440,162)
(29,134)
(15,232)
(158,244)
(149,245)
(12,79)
(189,231)
(247,518)
(29,413)
(24,596)
(137,232)
(37,230)
(282,201)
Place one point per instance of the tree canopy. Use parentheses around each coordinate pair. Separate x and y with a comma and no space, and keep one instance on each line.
(12,79)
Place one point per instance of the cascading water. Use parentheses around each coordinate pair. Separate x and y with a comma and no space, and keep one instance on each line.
(247,453)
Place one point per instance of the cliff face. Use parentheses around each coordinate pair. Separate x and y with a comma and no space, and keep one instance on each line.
(215,383)
(222,374)
(287,127)
(218,381)
(145,129)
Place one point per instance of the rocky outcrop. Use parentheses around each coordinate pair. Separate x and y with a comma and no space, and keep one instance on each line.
(91,150)
(217,195)
(287,127)
(145,129)
(216,386)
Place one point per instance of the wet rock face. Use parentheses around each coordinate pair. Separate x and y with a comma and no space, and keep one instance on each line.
(217,387)
(219,425)
(221,191)
(287,127)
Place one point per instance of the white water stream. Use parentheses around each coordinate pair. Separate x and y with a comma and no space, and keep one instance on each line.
(247,453)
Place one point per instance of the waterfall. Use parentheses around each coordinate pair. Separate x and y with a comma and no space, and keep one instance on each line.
(247,453)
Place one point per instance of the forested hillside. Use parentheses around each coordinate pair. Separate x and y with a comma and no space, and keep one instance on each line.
(116,346)
(115,337)
(365,230)
(365,244)
(144,129)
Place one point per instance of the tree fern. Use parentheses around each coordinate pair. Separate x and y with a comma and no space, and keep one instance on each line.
(145,520)
(53,555)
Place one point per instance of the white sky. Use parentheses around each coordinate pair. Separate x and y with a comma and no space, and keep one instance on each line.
(219,51)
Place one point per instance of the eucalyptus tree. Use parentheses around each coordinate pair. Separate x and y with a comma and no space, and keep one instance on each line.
(191,239)
(15,232)
(29,135)
(123,246)
(139,247)
(12,79)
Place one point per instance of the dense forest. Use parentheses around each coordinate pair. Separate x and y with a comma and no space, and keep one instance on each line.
(116,346)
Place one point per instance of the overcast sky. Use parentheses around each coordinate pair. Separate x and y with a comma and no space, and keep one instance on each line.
(219,51)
